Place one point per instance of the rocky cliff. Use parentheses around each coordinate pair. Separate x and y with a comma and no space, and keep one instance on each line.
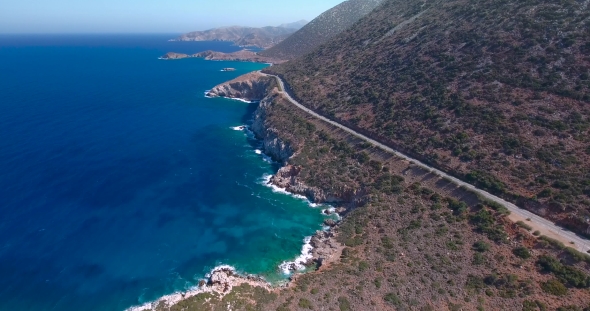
(272,145)
(252,87)
(278,145)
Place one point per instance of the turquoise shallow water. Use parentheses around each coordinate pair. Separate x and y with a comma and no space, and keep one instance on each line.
(121,183)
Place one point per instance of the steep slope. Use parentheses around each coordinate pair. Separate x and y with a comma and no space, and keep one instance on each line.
(410,244)
(322,28)
(264,37)
(495,92)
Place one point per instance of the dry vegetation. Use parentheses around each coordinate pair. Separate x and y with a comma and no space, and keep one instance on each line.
(409,247)
(321,29)
(495,92)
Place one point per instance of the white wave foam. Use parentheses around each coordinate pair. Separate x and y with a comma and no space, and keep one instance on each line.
(242,100)
(266,178)
(298,264)
(177,297)
(329,211)
(266,182)
(267,158)
(249,132)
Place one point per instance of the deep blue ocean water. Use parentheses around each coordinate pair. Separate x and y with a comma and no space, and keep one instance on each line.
(120,182)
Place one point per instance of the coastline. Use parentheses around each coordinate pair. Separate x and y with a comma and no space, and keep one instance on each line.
(241,56)
(219,281)
(317,251)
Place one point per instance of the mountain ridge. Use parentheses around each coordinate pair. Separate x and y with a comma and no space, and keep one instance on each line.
(261,37)
(321,29)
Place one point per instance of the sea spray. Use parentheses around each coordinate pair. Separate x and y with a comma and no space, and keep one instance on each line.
(299,264)
(220,280)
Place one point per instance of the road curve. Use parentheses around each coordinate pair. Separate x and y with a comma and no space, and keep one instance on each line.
(545,226)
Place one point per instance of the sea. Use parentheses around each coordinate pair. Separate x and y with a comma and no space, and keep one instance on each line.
(120,182)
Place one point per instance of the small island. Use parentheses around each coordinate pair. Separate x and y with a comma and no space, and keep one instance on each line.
(228,69)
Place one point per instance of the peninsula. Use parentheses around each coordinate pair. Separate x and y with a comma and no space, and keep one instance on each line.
(243,56)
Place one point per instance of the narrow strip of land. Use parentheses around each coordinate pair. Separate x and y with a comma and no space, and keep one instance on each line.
(545,226)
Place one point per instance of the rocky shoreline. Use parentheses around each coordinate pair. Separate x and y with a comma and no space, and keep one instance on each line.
(319,250)
(220,281)
(257,86)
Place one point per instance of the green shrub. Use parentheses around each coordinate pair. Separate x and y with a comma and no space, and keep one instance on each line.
(452,245)
(568,275)
(344,304)
(481,246)
(458,207)
(305,304)
(529,306)
(392,299)
(552,242)
(478,259)
(554,287)
(522,252)
(576,255)
(363,265)
(521,224)
(474,282)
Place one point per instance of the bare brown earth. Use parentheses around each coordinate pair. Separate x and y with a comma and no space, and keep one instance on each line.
(412,241)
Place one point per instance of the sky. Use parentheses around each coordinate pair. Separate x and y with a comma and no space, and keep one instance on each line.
(151,16)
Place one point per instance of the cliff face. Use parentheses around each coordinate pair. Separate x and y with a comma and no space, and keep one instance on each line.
(281,151)
(279,145)
(277,149)
(253,87)
(280,148)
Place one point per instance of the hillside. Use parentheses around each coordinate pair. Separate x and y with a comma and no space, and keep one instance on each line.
(413,241)
(495,92)
(264,37)
(322,28)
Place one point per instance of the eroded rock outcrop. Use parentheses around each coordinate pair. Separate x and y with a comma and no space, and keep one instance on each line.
(252,87)
(288,178)
(272,145)
(325,247)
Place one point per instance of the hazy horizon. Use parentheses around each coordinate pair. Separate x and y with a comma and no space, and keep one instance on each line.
(151,16)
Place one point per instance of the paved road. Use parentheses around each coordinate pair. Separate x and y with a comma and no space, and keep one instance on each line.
(545,226)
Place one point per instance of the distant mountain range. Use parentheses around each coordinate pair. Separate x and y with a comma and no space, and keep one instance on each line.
(295,25)
(264,37)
